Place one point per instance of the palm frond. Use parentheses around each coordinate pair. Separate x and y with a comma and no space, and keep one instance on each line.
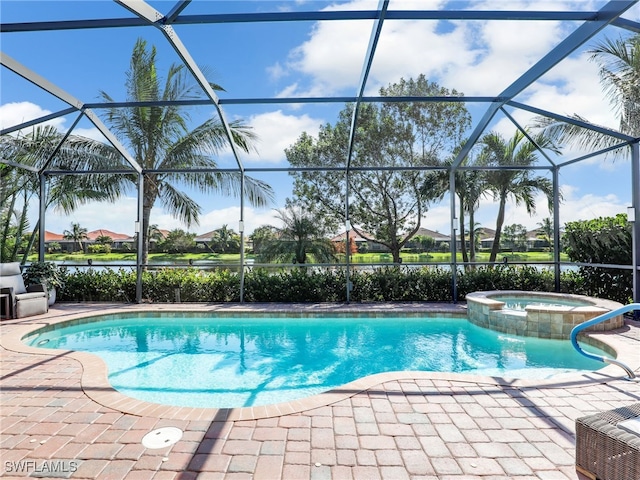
(571,135)
(619,61)
(179,204)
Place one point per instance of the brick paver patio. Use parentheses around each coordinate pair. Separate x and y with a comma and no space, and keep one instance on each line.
(58,414)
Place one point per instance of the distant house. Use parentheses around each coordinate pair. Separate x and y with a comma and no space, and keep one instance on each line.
(371,245)
(118,239)
(533,239)
(438,238)
(486,236)
(69,245)
(205,238)
(52,238)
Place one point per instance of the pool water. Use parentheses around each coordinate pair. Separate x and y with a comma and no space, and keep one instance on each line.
(239,362)
(520,303)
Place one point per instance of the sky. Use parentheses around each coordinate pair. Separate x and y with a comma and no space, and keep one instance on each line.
(268,60)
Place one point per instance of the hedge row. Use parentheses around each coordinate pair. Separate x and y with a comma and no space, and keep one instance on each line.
(307,285)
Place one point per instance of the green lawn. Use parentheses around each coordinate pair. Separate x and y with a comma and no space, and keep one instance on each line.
(439,257)
(434,257)
(159,257)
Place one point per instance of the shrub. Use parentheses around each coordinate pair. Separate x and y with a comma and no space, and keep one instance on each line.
(46,273)
(99,248)
(388,284)
(602,240)
(297,285)
(105,285)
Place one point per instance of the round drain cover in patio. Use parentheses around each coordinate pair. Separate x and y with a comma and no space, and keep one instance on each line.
(162,437)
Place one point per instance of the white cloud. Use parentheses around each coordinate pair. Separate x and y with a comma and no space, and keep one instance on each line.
(397,55)
(563,92)
(476,57)
(92,133)
(277,131)
(121,216)
(289,91)
(576,205)
(332,56)
(566,93)
(230,216)
(508,51)
(276,71)
(16,113)
(588,205)
(19,112)
(633,13)
(118,217)
(438,218)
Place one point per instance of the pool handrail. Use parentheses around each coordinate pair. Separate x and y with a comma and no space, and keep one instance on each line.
(599,319)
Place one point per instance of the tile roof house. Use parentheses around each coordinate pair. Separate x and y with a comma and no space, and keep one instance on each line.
(116,237)
(533,239)
(437,236)
(68,245)
(371,245)
(53,237)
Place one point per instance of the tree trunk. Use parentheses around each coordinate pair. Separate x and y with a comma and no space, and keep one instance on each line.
(472,236)
(5,256)
(149,198)
(499,221)
(32,240)
(463,243)
(22,222)
(144,231)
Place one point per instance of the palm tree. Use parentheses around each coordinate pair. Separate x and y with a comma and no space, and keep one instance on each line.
(470,187)
(225,239)
(170,154)
(505,183)
(545,232)
(77,234)
(261,236)
(299,237)
(475,230)
(36,150)
(104,240)
(14,219)
(619,62)
(155,235)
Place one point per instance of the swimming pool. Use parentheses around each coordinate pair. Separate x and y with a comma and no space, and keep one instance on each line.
(204,361)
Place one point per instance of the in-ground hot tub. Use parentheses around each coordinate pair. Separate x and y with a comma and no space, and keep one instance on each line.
(538,314)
